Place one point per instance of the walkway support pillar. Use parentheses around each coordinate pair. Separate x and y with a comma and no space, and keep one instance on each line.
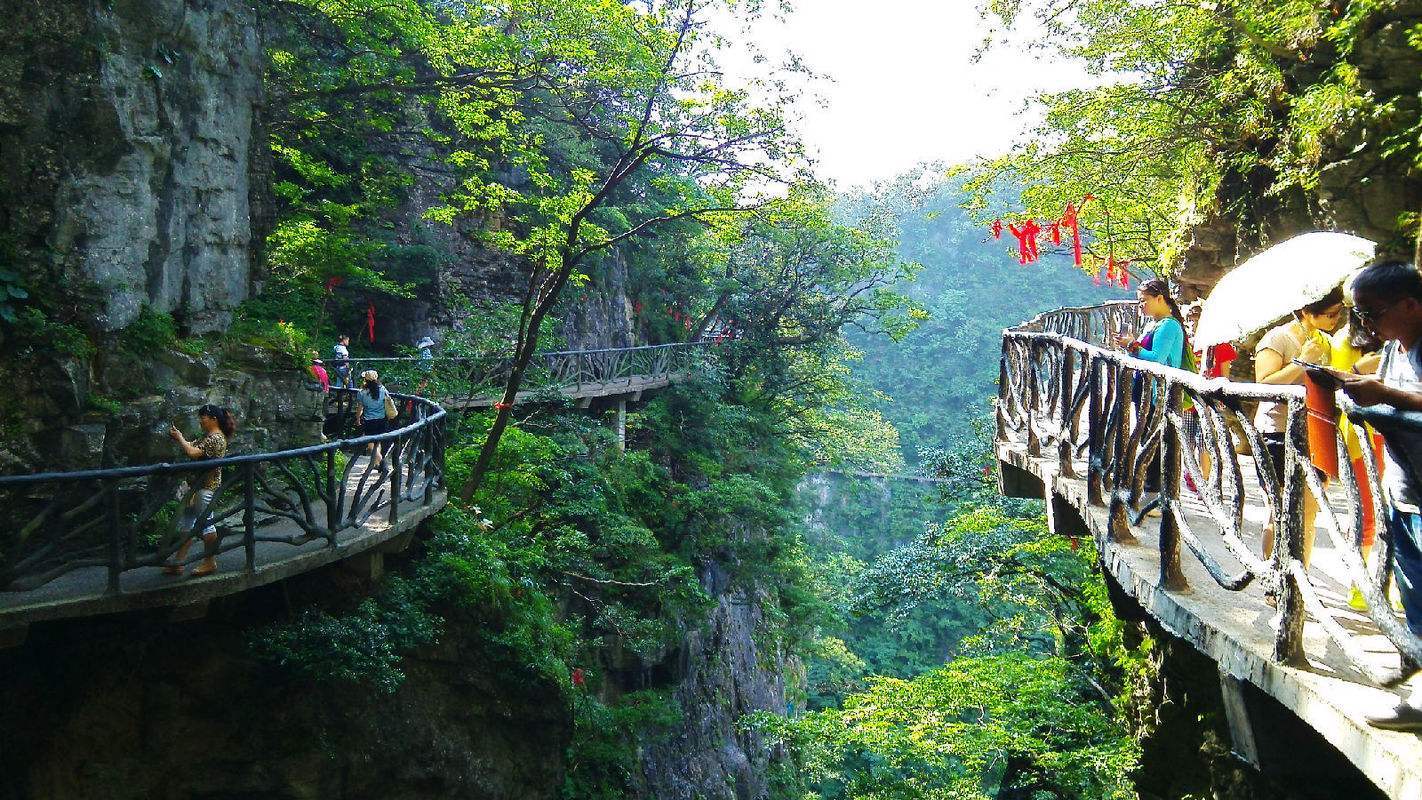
(621,424)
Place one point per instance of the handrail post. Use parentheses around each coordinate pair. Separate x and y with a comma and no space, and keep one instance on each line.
(1004,388)
(1034,445)
(249,514)
(1095,431)
(333,500)
(115,555)
(1171,576)
(1065,391)
(393,459)
(1288,540)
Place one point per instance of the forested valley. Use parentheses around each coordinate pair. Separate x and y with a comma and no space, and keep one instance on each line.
(785,571)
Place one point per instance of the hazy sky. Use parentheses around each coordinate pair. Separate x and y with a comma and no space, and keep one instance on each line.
(904,88)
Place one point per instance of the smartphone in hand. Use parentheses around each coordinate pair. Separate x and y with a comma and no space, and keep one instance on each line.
(1322,375)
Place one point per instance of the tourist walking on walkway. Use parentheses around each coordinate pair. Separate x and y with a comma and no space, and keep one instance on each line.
(426,348)
(375,408)
(1162,342)
(318,371)
(217,425)
(1387,296)
(341,361)
(1214,362)
(1303,338)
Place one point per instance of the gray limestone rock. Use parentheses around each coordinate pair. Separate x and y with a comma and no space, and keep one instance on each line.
(128,133)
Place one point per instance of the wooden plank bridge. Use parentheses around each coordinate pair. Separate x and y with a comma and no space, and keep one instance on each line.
(1080,426)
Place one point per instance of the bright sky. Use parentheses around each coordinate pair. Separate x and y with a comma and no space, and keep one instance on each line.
(904,89)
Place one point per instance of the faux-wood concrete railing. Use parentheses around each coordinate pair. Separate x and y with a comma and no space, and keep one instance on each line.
(129,519)
(1066,397)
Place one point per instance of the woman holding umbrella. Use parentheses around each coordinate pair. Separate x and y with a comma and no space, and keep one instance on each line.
(1303,338)
(1299,275)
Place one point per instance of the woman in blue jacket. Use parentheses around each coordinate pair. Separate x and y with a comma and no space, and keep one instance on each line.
(1163,340)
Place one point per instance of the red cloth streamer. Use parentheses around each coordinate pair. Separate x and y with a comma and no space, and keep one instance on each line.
(578,678)
(1026,240)
(1069,220)
(335,280)
(1124,276)
(370,321)
(1056,229)
(997,229)
(501,406)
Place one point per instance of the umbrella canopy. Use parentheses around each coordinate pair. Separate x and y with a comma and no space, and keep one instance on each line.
(1287,276)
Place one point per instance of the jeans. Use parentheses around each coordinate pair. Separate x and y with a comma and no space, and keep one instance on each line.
(1406,530)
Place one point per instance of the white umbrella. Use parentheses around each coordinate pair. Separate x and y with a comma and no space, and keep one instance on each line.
(1287,276)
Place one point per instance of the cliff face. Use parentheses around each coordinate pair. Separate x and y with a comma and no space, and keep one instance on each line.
(1366,183)
(130,132)
(728,668)
(151,709)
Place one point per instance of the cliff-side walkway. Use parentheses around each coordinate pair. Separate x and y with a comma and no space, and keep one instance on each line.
(1080,426)
(97,541)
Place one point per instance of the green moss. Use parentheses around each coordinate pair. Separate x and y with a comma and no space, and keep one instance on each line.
(35,332)
(153,331)
(104,405)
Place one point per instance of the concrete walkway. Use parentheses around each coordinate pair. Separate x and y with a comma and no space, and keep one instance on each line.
(1236,629)
(83,592)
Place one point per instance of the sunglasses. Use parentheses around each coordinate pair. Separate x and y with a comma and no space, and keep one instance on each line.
(1370,318)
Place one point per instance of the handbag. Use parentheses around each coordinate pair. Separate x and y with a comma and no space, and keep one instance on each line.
(391,412)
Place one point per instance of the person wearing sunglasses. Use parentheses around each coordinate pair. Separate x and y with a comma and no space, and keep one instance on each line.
(1387,300)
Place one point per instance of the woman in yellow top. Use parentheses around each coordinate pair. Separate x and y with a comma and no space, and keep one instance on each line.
(1304,338)
(1357,350)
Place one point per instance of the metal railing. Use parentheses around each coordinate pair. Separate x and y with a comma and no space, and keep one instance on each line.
(1066,397)
(131,518)
(480,380)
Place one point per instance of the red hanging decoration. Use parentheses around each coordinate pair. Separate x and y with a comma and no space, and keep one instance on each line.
(1026,240)
(335,280)
(1069,220)
(502,406)
(370,321)
(997,229)
(578,679)
(1124,276)
(637,307)
(1056,230)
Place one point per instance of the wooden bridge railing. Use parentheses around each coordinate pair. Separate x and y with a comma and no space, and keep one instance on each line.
(129,518)
(1066,397)
(480,379)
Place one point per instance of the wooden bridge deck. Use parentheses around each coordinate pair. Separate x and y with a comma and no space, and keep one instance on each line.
(1237,628)
(84,592)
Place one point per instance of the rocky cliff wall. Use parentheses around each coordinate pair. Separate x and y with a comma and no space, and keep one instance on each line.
(130,131)
(1367,183)
(145,708)
(1178,713)
(729,667)
(77,413)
